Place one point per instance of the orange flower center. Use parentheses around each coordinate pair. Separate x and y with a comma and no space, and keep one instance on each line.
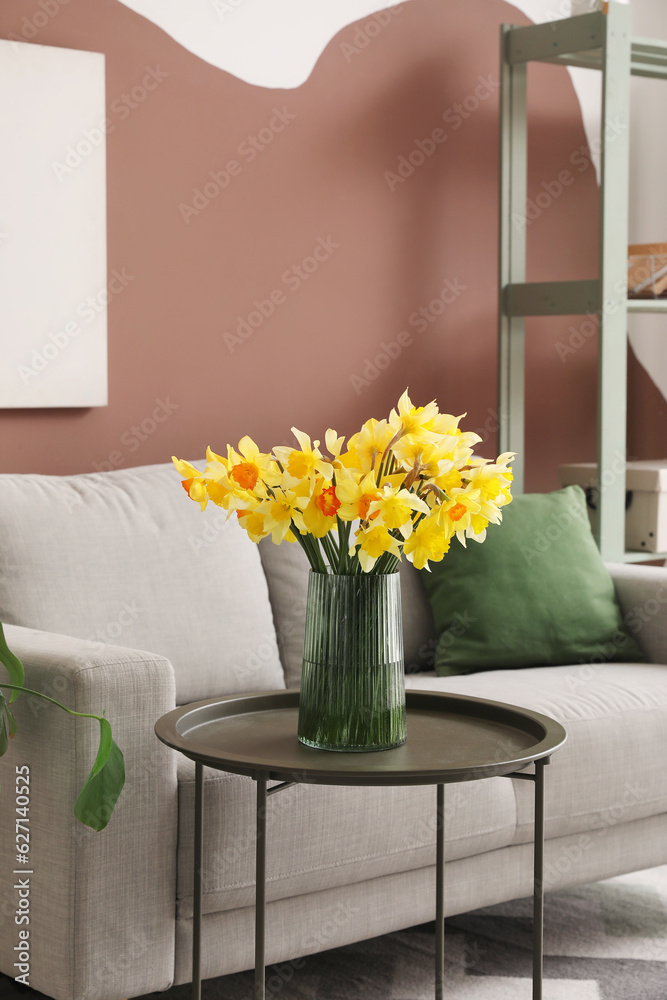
(365,502)
(457,512)
(328,502)
(246,475)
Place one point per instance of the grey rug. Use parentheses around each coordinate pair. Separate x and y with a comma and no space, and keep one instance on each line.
(606,941)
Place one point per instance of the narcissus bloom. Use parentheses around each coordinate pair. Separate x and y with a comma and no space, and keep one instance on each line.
(367,446)
(409,484)
(319,515)
(373,542)
(305,461)
(248,465)
(427,541)
(355,495)
(395,510)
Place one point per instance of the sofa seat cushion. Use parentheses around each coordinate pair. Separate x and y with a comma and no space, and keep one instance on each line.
(611,769)
(320,836)
(126,558)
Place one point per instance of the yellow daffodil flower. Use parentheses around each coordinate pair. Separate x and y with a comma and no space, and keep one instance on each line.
(395,510)
(457,514)
(494,483)
(334,443)
(427,541)
(281,512)
(303,462)
(412,482)
(355,495)
(372,542)
(368,445)
(319,515)
(253,522)
(247,466)
(414,420)
(192,482)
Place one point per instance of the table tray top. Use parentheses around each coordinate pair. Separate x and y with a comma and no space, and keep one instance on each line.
(450,738)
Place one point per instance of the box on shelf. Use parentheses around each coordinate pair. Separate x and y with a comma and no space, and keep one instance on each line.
(645,500)
(647,270)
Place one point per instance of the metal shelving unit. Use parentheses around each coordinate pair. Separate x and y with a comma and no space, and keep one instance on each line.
(595,41)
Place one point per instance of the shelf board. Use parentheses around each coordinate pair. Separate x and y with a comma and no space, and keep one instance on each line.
(552,298)
(577,41)
(647,305)
(565,298)
(648,57)
(637,556)
(556,39)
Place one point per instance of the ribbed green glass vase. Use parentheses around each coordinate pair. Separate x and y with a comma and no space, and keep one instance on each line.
(352,683)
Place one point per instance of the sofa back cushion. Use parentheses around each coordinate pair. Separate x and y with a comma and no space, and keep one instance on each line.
(125,557)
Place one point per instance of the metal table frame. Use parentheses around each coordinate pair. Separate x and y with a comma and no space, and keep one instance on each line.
(262,775)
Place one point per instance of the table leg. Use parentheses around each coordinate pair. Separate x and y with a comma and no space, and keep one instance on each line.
(260,890)
(196,913)
(440,896)
(538,882)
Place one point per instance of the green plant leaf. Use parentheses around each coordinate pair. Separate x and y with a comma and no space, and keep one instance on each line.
(11,721)
(12,663)
(104,784)
(4,742)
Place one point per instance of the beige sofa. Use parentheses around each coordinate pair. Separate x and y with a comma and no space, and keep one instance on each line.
(120,595)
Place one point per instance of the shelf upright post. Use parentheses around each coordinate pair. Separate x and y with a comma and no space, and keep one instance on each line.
(512,263)
(612,346)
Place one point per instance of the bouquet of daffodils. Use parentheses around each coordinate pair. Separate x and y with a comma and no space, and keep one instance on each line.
(402,486)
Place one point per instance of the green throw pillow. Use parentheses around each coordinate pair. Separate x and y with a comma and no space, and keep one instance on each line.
(535,593)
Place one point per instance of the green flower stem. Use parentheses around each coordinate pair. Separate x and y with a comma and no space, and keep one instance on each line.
(311,548)
(352,690)
(344,561)
(331,551)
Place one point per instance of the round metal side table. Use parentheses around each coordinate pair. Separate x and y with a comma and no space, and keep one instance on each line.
(450,738)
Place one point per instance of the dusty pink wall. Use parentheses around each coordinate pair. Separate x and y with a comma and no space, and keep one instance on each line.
(387,247)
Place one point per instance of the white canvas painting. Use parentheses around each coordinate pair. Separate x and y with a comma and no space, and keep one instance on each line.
(53,278)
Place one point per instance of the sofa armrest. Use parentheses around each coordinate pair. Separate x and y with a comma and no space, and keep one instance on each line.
(101,905)
(642,595)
